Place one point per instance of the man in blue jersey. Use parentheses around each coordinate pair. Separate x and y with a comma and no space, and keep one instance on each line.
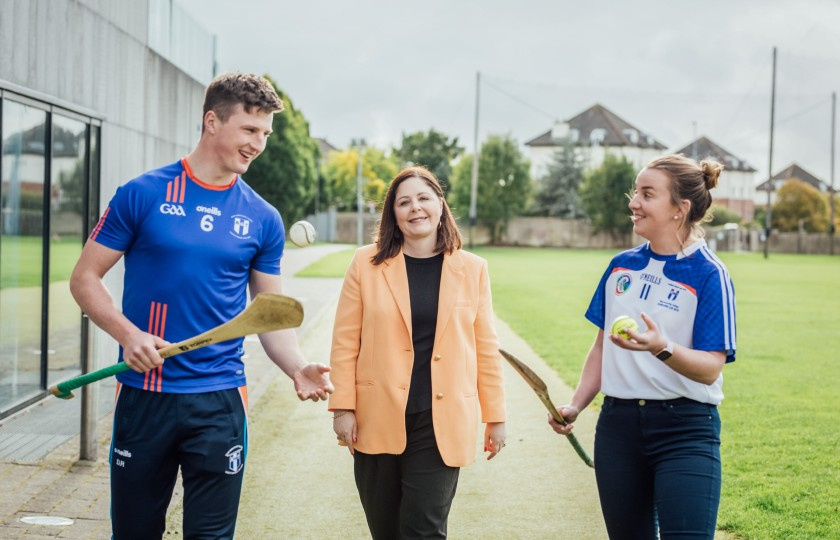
(194,236)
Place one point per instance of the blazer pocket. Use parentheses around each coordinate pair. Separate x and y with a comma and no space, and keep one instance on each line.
(470,394)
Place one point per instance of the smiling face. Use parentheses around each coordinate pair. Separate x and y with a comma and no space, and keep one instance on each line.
(417,209)
(655,216)
(239,140)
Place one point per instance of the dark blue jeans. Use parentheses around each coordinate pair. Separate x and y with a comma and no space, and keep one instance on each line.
(657,465)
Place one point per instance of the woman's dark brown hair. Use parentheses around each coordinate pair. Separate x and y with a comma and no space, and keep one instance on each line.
(389,238)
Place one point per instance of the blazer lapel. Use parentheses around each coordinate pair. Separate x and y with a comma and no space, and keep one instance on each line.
(397,279)
(451,278)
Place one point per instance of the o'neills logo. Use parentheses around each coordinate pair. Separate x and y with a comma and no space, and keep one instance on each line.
(623,283)
(172,209)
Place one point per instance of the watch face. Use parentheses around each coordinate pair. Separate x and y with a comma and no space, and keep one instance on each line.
(663,355)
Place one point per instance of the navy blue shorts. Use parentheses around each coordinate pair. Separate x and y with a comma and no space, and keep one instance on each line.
(657,465)
(156,433)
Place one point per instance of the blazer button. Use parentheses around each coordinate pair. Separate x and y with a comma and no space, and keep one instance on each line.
(437,357)
(440,395)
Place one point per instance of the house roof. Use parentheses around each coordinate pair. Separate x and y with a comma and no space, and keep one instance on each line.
(704,147)
(324,146)
(792,171)
(617,131)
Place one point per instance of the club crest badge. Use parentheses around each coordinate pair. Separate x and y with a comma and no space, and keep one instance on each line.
(235,461)
(622,284)
(241,226)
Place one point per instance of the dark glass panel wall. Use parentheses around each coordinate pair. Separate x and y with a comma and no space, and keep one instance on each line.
(24,149)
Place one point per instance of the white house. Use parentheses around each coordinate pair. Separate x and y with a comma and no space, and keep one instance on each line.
(594,132)
(791,172)
(735,186)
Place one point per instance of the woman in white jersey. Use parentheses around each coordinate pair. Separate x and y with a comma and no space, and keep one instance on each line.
(657,441)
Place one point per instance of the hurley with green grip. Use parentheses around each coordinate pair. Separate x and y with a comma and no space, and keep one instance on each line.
(541,390)
(267,312)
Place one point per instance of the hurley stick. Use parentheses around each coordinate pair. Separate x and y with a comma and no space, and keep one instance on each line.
(541,390)
(267,312)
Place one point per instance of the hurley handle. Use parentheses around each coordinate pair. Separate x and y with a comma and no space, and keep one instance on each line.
(64,390)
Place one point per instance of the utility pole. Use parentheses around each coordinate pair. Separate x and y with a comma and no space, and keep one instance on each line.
(474,181)
(359,144)
(831,189)
(767,215)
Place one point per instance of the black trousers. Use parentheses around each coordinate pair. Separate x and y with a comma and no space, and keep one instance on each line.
(407,495)
(155,434)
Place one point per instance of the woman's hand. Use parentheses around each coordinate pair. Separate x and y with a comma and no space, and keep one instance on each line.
(344,425)
(651,340)
(570,414)
(494,438)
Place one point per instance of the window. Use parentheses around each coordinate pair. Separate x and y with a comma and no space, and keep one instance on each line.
(597,136)
(50,185)
(631,134)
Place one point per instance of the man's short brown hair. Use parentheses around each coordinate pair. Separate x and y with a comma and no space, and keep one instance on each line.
(230,89)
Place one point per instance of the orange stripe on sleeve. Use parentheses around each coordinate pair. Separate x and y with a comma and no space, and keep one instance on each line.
(99,224)
(183,186)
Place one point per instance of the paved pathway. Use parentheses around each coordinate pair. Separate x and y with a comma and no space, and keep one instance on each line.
(299,483)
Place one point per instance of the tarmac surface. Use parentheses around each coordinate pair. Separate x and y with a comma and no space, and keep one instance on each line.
(299,483)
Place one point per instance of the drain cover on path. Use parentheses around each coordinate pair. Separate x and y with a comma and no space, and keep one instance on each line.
(46,520)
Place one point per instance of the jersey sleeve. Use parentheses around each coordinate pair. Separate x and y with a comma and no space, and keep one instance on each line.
(267,259)
(714,324)
(117,226)
(597,306)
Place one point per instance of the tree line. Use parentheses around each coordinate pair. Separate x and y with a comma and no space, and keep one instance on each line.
(294,177)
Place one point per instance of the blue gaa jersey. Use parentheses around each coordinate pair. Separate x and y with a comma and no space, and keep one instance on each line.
(189,249)
(689,296)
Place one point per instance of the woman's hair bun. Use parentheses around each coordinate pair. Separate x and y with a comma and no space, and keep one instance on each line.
(711,172)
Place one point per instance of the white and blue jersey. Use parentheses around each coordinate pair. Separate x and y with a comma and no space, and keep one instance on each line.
(189,249)
(689,296)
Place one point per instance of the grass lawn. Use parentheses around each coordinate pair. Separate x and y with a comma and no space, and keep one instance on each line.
(780,443)
(21,256)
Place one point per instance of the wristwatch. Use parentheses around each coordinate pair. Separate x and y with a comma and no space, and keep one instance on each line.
(666,353)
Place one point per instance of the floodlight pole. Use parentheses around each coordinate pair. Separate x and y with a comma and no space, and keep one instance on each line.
(767,215)
(474,180)
(360,146)
(831,189)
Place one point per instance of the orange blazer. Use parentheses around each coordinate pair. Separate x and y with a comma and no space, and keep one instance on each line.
(372,355)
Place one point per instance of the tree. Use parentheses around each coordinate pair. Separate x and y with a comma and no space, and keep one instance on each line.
(504,184)
(432,150)
(340,173)
(836,210)
(721,215)
(795,201)
(558,194)
(603,196)
(286,174)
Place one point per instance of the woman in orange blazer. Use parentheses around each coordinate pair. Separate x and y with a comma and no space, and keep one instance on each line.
(414,356)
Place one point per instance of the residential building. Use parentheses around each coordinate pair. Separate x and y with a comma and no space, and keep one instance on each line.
(736,184)
(791,172)
(594,132)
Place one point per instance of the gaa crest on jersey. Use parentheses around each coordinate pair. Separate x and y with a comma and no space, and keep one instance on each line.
(241,226)
(172,209)
(235,462)
(622,283)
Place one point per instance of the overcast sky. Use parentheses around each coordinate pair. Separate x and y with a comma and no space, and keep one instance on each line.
(675,69)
